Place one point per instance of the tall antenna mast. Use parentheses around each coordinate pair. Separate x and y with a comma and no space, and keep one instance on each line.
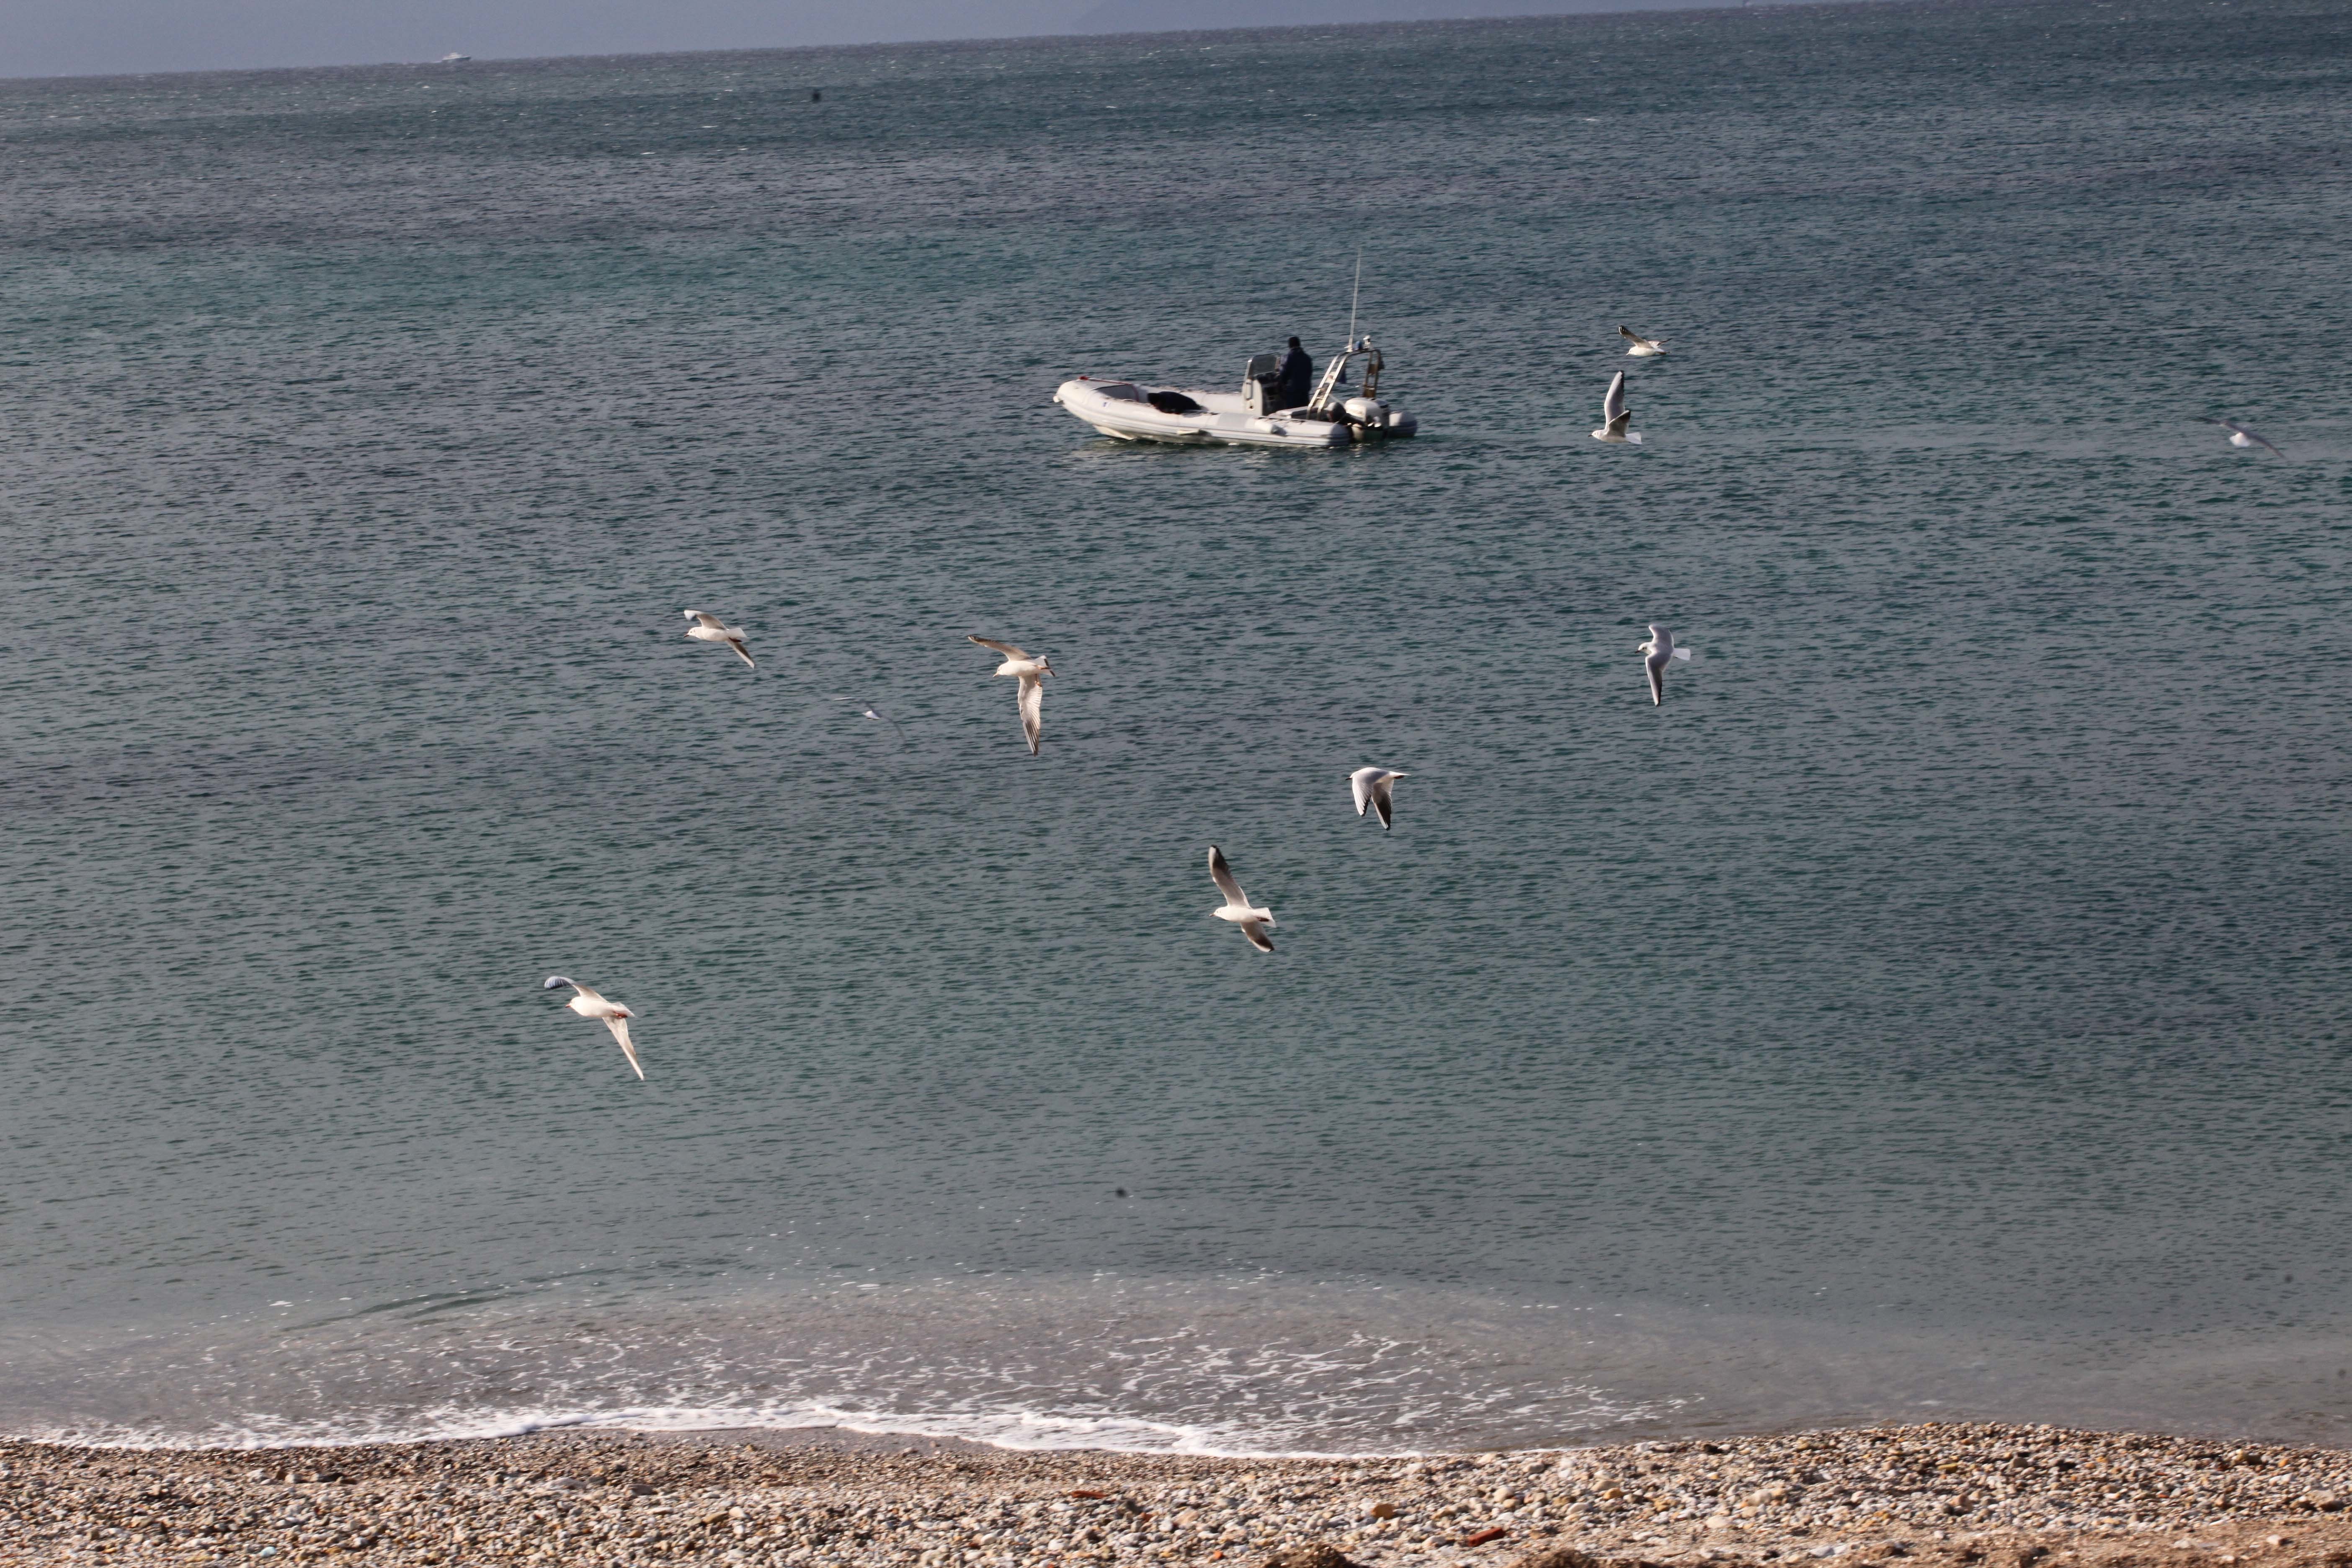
(1359,294)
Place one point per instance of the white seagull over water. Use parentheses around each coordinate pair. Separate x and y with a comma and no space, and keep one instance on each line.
(1372,787)
(1613,410)
(1644,348)
(1031,673)
(709,627)
(2241,436)
(1659,651)
(870,711)
(1237,909)
(590,1004)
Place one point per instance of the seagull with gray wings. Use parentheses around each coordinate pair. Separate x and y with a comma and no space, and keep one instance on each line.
(1031,673)
(1373,787)
(1615,414)
(1657,653)
(589,1004)
(709,627)
(1255,921)
(870,711)
(2240,435)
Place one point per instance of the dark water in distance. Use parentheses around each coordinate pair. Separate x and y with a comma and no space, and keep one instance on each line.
(1936,1007)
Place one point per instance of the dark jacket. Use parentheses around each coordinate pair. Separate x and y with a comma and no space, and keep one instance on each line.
(1296,382)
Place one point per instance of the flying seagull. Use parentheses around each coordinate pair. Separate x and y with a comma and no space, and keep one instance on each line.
(1372,787)
(1237,908)
(1613,410)
(589,1004)
(709,627)
(1644,348)
(2241,436)
(872,712)
(1659,651)
(1031,673)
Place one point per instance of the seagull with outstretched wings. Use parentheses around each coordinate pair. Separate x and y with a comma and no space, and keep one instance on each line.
(1657,653)
(709,627)
(1031,673)
(1237,909)
(2240,435)
(1615,415)
(1374,787)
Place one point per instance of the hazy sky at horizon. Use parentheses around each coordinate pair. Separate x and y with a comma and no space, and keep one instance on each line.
(91,37)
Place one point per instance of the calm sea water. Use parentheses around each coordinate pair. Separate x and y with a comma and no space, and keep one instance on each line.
(1937,1007)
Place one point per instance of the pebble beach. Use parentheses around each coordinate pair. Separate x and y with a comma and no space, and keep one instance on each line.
(1956,1494)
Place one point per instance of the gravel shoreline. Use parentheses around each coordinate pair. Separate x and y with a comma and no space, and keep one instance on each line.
(1955,1494)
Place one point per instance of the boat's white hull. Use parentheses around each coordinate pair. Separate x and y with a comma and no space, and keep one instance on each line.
(1121,409)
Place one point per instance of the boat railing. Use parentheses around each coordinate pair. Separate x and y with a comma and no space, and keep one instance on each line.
(1327,389)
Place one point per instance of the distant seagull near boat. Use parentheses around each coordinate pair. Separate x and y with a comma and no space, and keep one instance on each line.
(1613,410)
(1659,651)
(1373,787)
(1031,673)
(589,1004)
(1253,921)
(2241,436)
(711,628)
(1644,348)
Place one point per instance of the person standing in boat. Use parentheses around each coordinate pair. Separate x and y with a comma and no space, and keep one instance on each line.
(1295,382)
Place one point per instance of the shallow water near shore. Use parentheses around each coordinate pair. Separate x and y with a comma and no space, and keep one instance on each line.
(1932,1010)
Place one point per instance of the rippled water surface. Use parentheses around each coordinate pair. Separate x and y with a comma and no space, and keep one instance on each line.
(1934,1007)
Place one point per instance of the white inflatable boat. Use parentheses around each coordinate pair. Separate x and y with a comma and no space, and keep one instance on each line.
(1132,411)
